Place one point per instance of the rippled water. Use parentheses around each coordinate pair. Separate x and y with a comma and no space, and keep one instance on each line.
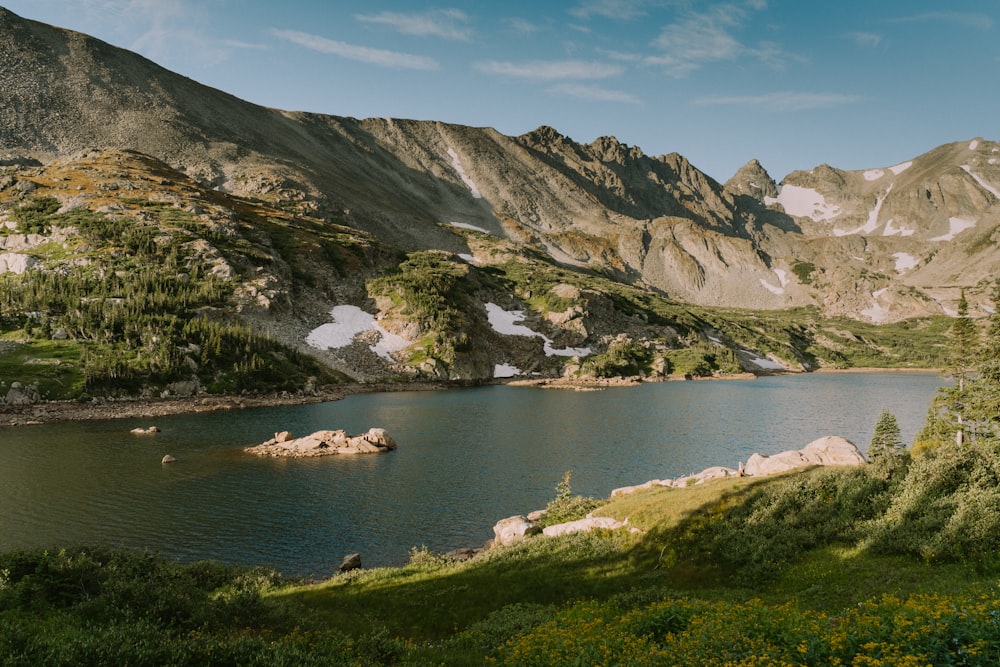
(465,459)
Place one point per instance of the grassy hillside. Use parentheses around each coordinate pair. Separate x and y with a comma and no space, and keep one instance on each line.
(891,564)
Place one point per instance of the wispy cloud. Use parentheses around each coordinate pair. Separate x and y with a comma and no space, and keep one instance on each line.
(962,19)
(698,39)
(380,57)
(521,26)
(445,23)
(781,101)
(623,10)
(238,44)
(595,93)
(550,70)
(864,39)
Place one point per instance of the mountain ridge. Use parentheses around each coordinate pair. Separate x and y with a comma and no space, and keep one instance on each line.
(621,240)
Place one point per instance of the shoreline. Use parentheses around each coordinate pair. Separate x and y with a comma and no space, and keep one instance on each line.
(48,412)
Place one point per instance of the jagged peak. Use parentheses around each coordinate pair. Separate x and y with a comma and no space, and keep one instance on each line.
(753,180)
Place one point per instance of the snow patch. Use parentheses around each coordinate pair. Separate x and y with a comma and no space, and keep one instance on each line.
(957,226)
(901,167)
(771,288)
(762,362)
(974,144)
(877,313)
(508,322)
(461,174)
(905,261)
(348,322)
(506,371)
(804,203)
(986,186)
(465,225)
(872,224)
(874,174)
(782,280)
(892,230)
(467,258)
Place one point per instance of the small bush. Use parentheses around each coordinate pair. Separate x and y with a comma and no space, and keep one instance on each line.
(567,507)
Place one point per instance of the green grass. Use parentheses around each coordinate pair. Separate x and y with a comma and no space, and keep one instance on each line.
(667,595)
(54,365)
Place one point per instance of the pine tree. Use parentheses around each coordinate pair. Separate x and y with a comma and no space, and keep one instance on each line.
(984,398)
(947,418)
(886,441)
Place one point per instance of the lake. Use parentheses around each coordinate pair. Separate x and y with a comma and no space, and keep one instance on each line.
(466,458)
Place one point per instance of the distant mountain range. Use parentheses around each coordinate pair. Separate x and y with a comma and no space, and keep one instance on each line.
(876,246)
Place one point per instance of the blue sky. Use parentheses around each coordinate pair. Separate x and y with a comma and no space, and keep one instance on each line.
(793,83)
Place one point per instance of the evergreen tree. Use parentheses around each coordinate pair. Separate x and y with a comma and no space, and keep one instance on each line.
(984,397)
(886,441)
(948,414)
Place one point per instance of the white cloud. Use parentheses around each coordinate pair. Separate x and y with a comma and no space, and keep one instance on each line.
(622,10)
(867,39)
(380,57)
(962,19)
(781,101)
(550,70)
(521,26)
(445,23)
(596,93)
(697,39)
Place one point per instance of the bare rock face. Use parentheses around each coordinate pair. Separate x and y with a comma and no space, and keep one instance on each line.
(325,443)
(830,450)
(753,180)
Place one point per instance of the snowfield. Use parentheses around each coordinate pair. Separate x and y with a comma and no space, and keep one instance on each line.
(465,225)
(507,322)
(506,371)
(469,183)
(905,262)
(901,167)
(877,313)
(348,322)
(958,225)
(804,203)
(983,184)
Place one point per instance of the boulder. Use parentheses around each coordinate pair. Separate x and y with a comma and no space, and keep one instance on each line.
(21,394)
(325,443)
(830,450)
(513,529)
(581,525)
(149,430)
(168,459)
(350,562)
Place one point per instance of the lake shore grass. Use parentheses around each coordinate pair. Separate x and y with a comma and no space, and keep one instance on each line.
(660,596)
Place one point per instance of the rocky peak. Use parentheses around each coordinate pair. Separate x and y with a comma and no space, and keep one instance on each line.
(753,180)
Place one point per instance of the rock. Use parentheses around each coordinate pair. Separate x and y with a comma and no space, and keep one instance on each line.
(581,525)
(20,394)
(513,529)
(462,554)
(325,443)
(350,562)
(168,459)
(537,515)
(149,430)
(826,451)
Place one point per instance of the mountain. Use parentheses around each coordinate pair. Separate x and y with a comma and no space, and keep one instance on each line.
(448,230)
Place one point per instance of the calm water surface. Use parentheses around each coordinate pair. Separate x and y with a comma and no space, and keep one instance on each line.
(465,459)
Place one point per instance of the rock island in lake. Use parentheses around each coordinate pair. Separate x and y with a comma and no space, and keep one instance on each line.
(325,443)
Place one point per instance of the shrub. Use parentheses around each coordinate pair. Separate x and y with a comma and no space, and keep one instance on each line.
(567,507)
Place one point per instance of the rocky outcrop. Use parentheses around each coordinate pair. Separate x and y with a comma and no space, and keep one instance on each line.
(22,394)
(513,529)
(324,443)
(827,451)
(582,525)
(830,450)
